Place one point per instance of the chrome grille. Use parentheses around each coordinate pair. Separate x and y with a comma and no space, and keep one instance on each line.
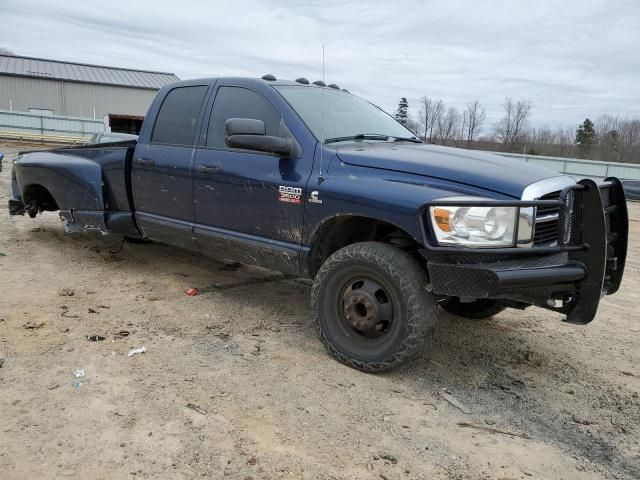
(547,218)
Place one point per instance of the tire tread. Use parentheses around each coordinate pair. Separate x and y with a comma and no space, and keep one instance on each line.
(420,304)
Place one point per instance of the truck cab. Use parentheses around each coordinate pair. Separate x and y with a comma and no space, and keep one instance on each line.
(313,181)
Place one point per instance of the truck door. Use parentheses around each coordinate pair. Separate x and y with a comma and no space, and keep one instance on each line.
(248,205)
(162,169)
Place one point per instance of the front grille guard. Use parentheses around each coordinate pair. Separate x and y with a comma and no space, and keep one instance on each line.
(592,229)
(570,221)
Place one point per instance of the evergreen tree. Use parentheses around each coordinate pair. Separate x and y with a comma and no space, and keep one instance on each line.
(585,136)
(401,113)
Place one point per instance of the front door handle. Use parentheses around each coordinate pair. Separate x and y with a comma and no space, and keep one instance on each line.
(209,168)
(145,161)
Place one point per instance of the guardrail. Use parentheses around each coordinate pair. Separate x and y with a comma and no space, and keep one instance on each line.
(23,126)
(594,169)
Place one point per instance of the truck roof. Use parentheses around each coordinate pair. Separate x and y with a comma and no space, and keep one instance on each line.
(264,80)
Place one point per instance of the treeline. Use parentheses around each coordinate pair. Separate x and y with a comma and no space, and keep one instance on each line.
(608,138)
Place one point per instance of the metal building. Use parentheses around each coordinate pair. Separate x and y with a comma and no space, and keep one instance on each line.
(121,96)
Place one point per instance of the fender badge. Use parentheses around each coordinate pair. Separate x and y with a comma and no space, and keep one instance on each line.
(314,197)
(290,194)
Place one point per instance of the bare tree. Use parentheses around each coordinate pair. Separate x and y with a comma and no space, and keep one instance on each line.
(511,129)
(474,115)
(447,126)
(7,52)
(430,112)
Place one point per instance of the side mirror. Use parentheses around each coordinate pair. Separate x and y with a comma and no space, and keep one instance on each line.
(250,134)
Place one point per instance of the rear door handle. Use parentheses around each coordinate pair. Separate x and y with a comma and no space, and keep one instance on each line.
(210,168)
(145,161)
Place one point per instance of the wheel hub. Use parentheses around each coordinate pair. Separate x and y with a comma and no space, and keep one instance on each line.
(367,307)
(361,310)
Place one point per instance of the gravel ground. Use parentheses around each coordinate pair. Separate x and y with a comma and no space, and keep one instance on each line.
(544,399)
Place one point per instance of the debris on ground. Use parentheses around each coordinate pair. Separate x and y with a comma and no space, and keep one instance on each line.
(91,310)
(386,456)
(66,292)
(95,338)
(1,360)
(453,401)
(196,408)
(136,350)
(33,325)
(67,313)
(121,334)
(79,373)
(492,430)
(191,292)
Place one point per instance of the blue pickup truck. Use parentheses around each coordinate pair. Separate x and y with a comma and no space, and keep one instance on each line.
(313,181)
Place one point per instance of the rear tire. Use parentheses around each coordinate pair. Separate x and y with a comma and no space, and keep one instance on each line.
(371,307)
(476,310)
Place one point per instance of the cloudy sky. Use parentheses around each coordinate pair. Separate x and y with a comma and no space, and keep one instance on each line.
(572,58)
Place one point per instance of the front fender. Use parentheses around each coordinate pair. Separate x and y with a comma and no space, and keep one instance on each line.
(392,197)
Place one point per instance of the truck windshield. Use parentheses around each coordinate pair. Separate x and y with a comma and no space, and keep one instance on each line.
(347,118)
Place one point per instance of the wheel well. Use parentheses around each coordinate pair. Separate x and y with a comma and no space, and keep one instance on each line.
(344,230)
(38,198)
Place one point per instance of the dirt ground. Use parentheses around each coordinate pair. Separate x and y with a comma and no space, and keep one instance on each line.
(270,402)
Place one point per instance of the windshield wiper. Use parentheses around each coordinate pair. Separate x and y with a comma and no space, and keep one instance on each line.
(359,136)
(407,139)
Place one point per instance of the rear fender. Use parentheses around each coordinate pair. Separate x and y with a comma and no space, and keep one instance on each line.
(75,184)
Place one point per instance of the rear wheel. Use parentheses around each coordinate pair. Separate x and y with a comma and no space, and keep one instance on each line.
(371,309)
(476,310)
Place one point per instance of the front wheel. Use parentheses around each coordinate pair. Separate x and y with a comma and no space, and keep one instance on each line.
(371,308)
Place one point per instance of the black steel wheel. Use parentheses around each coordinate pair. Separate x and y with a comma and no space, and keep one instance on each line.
(476,310)
(371,308)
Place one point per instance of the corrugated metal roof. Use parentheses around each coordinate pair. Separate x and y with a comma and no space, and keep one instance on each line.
(80,72)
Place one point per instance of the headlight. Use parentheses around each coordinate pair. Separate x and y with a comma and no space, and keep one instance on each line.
(471,226)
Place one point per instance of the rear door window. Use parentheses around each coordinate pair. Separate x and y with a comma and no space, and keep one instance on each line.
(178,116)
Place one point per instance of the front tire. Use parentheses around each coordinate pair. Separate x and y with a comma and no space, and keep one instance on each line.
(371,308)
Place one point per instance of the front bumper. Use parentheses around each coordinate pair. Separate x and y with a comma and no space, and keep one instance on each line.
(569,278)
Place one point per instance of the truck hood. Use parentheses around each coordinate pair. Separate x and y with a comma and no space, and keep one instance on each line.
(506,176)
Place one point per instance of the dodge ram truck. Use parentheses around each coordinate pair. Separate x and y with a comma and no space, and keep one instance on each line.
(316,182)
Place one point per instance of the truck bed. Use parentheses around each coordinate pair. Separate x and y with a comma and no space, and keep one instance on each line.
(89,184)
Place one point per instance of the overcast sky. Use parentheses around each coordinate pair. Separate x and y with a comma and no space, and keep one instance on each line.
(572,58)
